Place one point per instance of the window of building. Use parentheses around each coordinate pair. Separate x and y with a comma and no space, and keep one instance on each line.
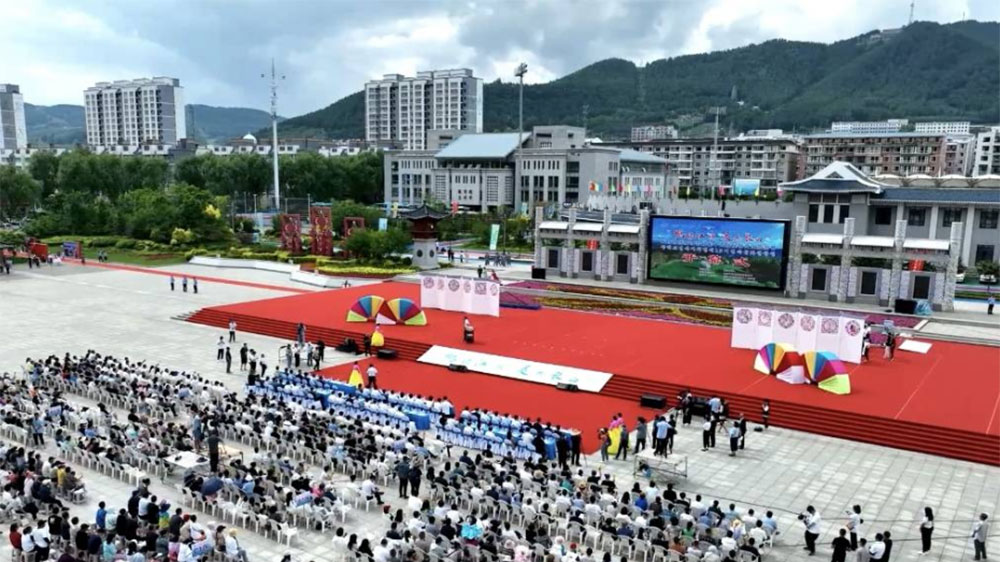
(988,218)
(845,212)
(949,216)
(984,252)
(621,264)
(587,262)
(916,216)
(818,280)
(828,213)
(553,258)
(883,215)
(869,282)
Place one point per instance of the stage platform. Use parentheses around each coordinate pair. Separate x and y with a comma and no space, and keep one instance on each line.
(943,403)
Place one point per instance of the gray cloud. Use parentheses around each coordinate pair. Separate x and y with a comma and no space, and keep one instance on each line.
(327,49)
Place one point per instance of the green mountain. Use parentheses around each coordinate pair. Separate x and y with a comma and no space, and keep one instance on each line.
(64,124)
(924,71)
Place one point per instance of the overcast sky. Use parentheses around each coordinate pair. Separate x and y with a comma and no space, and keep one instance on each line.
(327,49)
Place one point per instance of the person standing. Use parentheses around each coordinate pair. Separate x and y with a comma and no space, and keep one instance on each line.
(171,283)
(320,348)
(811,520)
(926,530)
(840,546)
(263,366)
(741,424)
(890,345)
(765,412)
(734,439)
(220,353)
(300,333)
(706,434)
(194,284)
(854,522)
(662,427)
(622,452)
(232,330)
(605,443)
(403,474)
(243,357)
(367,341)
(980,530)
(229,360)
(372,373)
(640,435)
(184,283)
(479,272)
(414,477)
(990,303)
(887,540)
(253,363)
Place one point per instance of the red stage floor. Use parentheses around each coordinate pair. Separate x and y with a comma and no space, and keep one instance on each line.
(954,386)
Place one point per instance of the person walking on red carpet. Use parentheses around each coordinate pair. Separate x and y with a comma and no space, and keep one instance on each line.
(765,412)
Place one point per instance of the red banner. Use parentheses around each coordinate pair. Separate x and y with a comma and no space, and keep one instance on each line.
(351,223)
(291,233)
(321,231)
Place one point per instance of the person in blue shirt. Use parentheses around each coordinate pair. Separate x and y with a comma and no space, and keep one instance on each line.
(641,502)
(101,517)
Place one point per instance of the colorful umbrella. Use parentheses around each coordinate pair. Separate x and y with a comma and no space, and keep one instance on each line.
(365,308)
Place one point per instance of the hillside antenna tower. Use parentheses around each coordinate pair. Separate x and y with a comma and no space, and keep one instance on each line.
(912,3)
(274,131)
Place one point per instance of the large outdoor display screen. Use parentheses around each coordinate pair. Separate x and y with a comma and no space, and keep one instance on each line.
(739,252)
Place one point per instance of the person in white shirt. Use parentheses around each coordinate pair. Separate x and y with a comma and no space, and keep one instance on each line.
(854,525)
(372,373)
(877,548)
(758,534)
(370,490)
(381,552)
(728,542)
(233,548)
(811,520)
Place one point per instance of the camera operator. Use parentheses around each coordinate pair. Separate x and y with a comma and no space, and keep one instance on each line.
(811,520)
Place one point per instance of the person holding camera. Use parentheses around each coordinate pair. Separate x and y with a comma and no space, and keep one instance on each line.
(811,520)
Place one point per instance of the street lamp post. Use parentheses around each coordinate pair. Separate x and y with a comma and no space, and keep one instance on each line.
(274,132)
(521,70)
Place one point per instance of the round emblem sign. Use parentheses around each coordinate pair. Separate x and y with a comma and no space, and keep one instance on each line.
(786,320)
(454,284)
(428,282)
(807,323)
(744,316)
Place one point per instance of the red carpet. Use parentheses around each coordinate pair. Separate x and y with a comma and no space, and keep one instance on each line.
(944,402)
(584,411)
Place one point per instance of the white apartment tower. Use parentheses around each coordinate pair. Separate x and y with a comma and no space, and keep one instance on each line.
(13,133)
(399,110)
(135,112)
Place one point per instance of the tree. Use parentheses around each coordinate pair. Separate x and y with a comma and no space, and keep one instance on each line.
(44,167)
(18,192)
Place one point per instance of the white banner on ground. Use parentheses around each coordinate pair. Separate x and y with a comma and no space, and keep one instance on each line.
(851,332)
(520,369)
(744,334)
(785,329)
(460,294)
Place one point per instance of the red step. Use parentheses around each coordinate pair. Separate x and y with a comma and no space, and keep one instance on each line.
(947,442)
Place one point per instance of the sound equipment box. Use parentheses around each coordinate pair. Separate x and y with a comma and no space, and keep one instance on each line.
(906,306)
(458,368)
(349,346)
(538,273)
(386,353)
(653,401)
(567,386)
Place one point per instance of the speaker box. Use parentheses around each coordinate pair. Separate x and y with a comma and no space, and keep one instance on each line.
(567,386)
(386,353)
(653,401)
(458,368)
(906,306)
(538,273)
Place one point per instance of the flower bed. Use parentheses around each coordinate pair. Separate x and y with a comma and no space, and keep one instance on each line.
(513,300)
(624,294)
(364,271)
(667,313)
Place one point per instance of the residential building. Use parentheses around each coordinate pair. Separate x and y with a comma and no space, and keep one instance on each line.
(945,127)
(653,132)
(400,110)
(901,154)
(135,112)
(21,157)
(557,167)
(987,155)
(13,132)
(959,151)
(692,164)
(869,127)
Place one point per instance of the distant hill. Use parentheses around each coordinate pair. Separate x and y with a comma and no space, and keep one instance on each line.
(64,124)
(924,71)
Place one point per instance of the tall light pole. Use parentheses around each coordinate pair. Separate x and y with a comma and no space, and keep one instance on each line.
(521,70)
(274,132)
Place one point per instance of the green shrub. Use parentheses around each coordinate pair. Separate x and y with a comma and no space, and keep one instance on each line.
(102,241)
(195,252)
(126,244)
(181,236)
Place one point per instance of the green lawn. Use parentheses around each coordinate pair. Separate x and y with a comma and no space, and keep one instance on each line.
(132,257)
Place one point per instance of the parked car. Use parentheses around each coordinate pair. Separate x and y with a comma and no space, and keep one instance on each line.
(988,279)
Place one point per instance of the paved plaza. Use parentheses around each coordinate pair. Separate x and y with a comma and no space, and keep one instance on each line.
(56,310)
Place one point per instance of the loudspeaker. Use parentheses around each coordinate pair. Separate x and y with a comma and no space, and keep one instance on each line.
(538,273)
(653,401)
(349,346)
(906,306)
(567,386)
(458,368)
(386,353)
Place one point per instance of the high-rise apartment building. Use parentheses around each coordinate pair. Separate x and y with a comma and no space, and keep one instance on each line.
(959,150)
(868,127)
(946,127)
(901,154)
(399,110)
(653,132)
(133,112)
(13,133)
(987,156)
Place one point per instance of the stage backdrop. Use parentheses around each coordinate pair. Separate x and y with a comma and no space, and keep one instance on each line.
(460,294)
(755,327)
(321,231)
(520,369)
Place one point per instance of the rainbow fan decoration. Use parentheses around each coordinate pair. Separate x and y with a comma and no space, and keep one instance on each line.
(401,311)
(782,360)
(365,309)
(827,371)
